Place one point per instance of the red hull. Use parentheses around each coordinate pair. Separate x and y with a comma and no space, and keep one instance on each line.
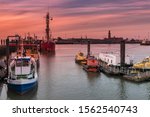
(48,46)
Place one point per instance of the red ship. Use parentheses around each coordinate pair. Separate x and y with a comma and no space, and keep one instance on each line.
(49,44)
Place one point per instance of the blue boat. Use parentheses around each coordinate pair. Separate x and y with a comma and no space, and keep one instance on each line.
(23,74)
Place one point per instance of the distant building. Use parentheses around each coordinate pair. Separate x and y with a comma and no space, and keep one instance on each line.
(109,34)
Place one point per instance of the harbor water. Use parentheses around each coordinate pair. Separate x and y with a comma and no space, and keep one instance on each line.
(60,78)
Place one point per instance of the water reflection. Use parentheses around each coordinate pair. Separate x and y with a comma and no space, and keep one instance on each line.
(1,86)
(122,86)
(3,91)
(92,77)
(148,90)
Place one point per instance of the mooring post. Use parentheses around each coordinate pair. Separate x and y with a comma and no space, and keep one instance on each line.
(88,48)
(122,53)
(7,52)
(40,45)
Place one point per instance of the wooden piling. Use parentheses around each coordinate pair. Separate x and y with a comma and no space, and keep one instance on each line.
(88,48)
(7,53)
(122,53)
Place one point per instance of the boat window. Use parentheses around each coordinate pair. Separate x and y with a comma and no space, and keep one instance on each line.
(22,63)
(25,63)
(18,63)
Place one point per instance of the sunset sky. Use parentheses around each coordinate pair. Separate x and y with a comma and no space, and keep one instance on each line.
(76,18)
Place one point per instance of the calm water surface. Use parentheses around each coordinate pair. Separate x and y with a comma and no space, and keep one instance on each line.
(61,79)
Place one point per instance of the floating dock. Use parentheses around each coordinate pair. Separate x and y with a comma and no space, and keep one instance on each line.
(138,77)
(109,69)
(123,68)
(127,73)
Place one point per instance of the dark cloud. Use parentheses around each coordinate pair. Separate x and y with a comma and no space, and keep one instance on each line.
(10,1)
(128,14)
(103,11)
(75,8)
(85,3)
(120,21)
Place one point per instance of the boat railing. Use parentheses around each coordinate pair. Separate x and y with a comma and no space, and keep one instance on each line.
(143,74)
(138,74)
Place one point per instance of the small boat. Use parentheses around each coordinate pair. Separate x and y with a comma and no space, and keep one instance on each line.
(80,58)
(92,64)
(144,64)
(22,74)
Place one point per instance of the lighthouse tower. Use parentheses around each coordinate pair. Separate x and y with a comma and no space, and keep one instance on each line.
(109,34)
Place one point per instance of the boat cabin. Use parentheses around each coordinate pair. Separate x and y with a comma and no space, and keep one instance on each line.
(92,61)
(22,65)
(114,59)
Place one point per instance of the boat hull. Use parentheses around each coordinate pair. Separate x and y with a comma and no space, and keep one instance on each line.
(48,46)
(80,61)
(91,68)
(22,87)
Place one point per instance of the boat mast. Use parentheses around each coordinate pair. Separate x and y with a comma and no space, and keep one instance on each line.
(48,30)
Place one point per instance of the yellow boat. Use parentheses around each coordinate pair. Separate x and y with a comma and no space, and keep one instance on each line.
(145,64)
(80,58)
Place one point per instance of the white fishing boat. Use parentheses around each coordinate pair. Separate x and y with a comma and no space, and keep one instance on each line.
(22,74)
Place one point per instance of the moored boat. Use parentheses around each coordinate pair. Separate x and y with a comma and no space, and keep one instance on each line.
(22,74)
(144,64)
(48,46)
(80,58)
(92,64)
